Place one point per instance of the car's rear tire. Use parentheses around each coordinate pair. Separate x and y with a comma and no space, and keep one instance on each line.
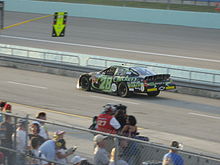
(153,94)
(85,83)
(123,90)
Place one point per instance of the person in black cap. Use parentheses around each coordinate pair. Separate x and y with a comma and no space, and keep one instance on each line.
(62,152)
(43,130)
(172,157)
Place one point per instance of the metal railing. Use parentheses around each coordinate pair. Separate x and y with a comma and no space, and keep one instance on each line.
(176,73)
(182,2)
(39,54)
(197,75)
(135,151)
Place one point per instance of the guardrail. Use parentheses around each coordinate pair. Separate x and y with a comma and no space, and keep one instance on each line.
(183,2)
(176,71)
(1,14)
(180,73)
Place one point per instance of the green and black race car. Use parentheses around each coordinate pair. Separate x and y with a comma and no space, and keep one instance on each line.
(124,81)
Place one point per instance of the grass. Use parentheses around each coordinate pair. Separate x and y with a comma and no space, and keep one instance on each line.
(181,7)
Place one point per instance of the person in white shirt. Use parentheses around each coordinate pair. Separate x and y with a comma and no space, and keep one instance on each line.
(21,141)
(43,130)
(62,153)
(101,155)
(35,153)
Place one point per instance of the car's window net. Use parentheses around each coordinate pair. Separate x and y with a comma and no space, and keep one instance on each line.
(121,72)
(109,71)
(143,71)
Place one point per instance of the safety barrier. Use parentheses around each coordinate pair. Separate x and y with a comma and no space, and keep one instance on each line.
(136,150)
(191,74)
(1,14)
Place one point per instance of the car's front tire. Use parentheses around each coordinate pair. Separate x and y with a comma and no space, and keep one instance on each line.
(123,90)
(153,94)
(85,83)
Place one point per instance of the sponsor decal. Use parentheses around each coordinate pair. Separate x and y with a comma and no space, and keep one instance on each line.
(114,87)
(142,88)
(161,88)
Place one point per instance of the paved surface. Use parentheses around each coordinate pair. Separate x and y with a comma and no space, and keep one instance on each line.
(176,45)
(192,120)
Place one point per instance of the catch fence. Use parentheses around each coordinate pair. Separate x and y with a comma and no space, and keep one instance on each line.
(135,151)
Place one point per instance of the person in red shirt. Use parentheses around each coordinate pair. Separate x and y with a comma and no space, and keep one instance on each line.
(106,122)
(7,108)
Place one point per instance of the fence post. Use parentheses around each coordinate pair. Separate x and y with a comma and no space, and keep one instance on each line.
(26,129)
(116,150)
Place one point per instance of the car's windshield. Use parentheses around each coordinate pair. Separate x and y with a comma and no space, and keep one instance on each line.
(143,71)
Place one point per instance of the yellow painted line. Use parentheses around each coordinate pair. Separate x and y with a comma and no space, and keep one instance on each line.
(27,21)
(58,112)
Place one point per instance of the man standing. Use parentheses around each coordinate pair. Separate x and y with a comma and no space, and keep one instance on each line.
(43,131)
(106,122)
(101,156)
(21,141)
(8,128)
(49,148)
(172,157)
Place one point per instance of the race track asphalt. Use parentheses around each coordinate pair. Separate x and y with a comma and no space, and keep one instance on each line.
(190,119)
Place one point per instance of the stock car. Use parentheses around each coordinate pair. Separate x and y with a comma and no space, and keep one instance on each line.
(125,81)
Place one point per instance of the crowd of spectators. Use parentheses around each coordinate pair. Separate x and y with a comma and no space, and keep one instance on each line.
(32,139)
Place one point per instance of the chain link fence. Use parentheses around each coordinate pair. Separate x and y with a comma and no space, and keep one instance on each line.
(120,150)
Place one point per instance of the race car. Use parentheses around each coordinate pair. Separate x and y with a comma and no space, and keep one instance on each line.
(125,81)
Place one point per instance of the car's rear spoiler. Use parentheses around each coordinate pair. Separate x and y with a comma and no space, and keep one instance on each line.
(157,78)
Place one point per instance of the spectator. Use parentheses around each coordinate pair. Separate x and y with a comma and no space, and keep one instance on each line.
(101,156)
(43,129)
(35,130)
(121,116)
(121,152)
(7,108)
(76,160)
(58,135)
(49,149)
(2,104)
(9,129)
(21,141)
(172,157)
(130,129)
(106,122)
(34,152)
(62,153)
(2,157)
